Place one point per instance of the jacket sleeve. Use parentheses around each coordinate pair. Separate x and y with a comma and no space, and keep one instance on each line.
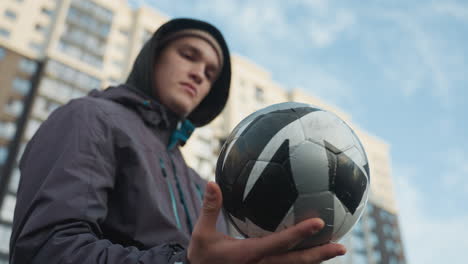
(67,172)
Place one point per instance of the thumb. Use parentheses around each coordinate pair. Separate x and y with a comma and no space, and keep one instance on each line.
(212,203)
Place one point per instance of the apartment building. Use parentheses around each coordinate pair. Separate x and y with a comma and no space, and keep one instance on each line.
(52,51)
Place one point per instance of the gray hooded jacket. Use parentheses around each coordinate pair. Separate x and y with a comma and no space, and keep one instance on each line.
(99,183)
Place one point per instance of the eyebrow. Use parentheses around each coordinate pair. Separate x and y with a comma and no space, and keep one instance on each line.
(199,53)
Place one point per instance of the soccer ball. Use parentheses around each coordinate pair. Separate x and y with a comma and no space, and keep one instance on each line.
(289,162)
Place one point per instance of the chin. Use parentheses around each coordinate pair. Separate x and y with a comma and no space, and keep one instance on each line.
(182,111)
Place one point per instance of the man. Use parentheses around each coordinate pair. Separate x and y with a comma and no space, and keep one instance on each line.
(103,180)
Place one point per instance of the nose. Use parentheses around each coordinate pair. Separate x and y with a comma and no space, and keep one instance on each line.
(196,73)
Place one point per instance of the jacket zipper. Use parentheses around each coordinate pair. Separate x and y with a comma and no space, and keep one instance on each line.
(171,191)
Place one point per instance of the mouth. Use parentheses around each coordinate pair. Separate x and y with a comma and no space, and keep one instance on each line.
(189,88)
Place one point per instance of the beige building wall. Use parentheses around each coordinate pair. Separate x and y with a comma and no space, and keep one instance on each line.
(252,88)
(382,188)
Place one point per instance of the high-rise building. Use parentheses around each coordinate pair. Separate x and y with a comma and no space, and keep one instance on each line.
(17,81)
(54,51)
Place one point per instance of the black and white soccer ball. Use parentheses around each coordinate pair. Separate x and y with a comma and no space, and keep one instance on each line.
(289,162)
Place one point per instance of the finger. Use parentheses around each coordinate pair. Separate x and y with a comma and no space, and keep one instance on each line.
(212,203)
(285,240)
(308,256)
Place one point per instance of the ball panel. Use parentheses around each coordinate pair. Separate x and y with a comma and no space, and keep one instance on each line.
(240,225)
(271,197)
(288,220)
(347,180)
(256,231)
(281,154)
(339,214)
(309,165)
(356,156)
(315,205)
(292,133)
(351,219)
(233,193)
(348,223)
(236,158)
(320,126)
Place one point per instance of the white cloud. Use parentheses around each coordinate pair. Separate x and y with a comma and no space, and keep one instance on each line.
(455,175)
(319,6)
(429,236)
(419,58)
(325,33)
(455,10)
(322,84)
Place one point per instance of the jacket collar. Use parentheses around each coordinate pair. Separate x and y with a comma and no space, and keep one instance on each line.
(153,113)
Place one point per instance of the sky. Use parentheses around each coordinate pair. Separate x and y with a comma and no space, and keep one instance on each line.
(399,67)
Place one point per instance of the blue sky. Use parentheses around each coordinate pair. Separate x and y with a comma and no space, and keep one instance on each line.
(399,67)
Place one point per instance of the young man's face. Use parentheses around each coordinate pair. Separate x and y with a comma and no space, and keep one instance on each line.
(184,73)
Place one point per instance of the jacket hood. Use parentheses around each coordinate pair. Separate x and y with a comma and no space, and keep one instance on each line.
(141,75)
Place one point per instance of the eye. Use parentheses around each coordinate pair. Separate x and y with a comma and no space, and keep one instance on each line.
(209,74)
(187,54)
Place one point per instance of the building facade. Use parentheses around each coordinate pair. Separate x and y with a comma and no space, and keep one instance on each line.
(54,51)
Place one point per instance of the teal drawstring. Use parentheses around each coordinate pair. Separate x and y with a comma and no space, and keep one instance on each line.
(171,191)
(181,195)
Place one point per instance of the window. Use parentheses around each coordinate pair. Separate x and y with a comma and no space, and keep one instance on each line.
(35,46)
(387,230)
(377,256)
(360,258)
(20,152)
(374,239)
(393,260)
(31,128)
(359,244)
(2,53)
(10,14)
(259,94)
(124,32)
(118,64)
(14,180)
(390,245)
(46,11)
(75,93)
(113,81)
(14,107)
(28,66)
(21,85)
(40,28)
(8,207)
(4,33)
(371,223)
(3,154)
(5,233)
(7,130)
(147,34)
